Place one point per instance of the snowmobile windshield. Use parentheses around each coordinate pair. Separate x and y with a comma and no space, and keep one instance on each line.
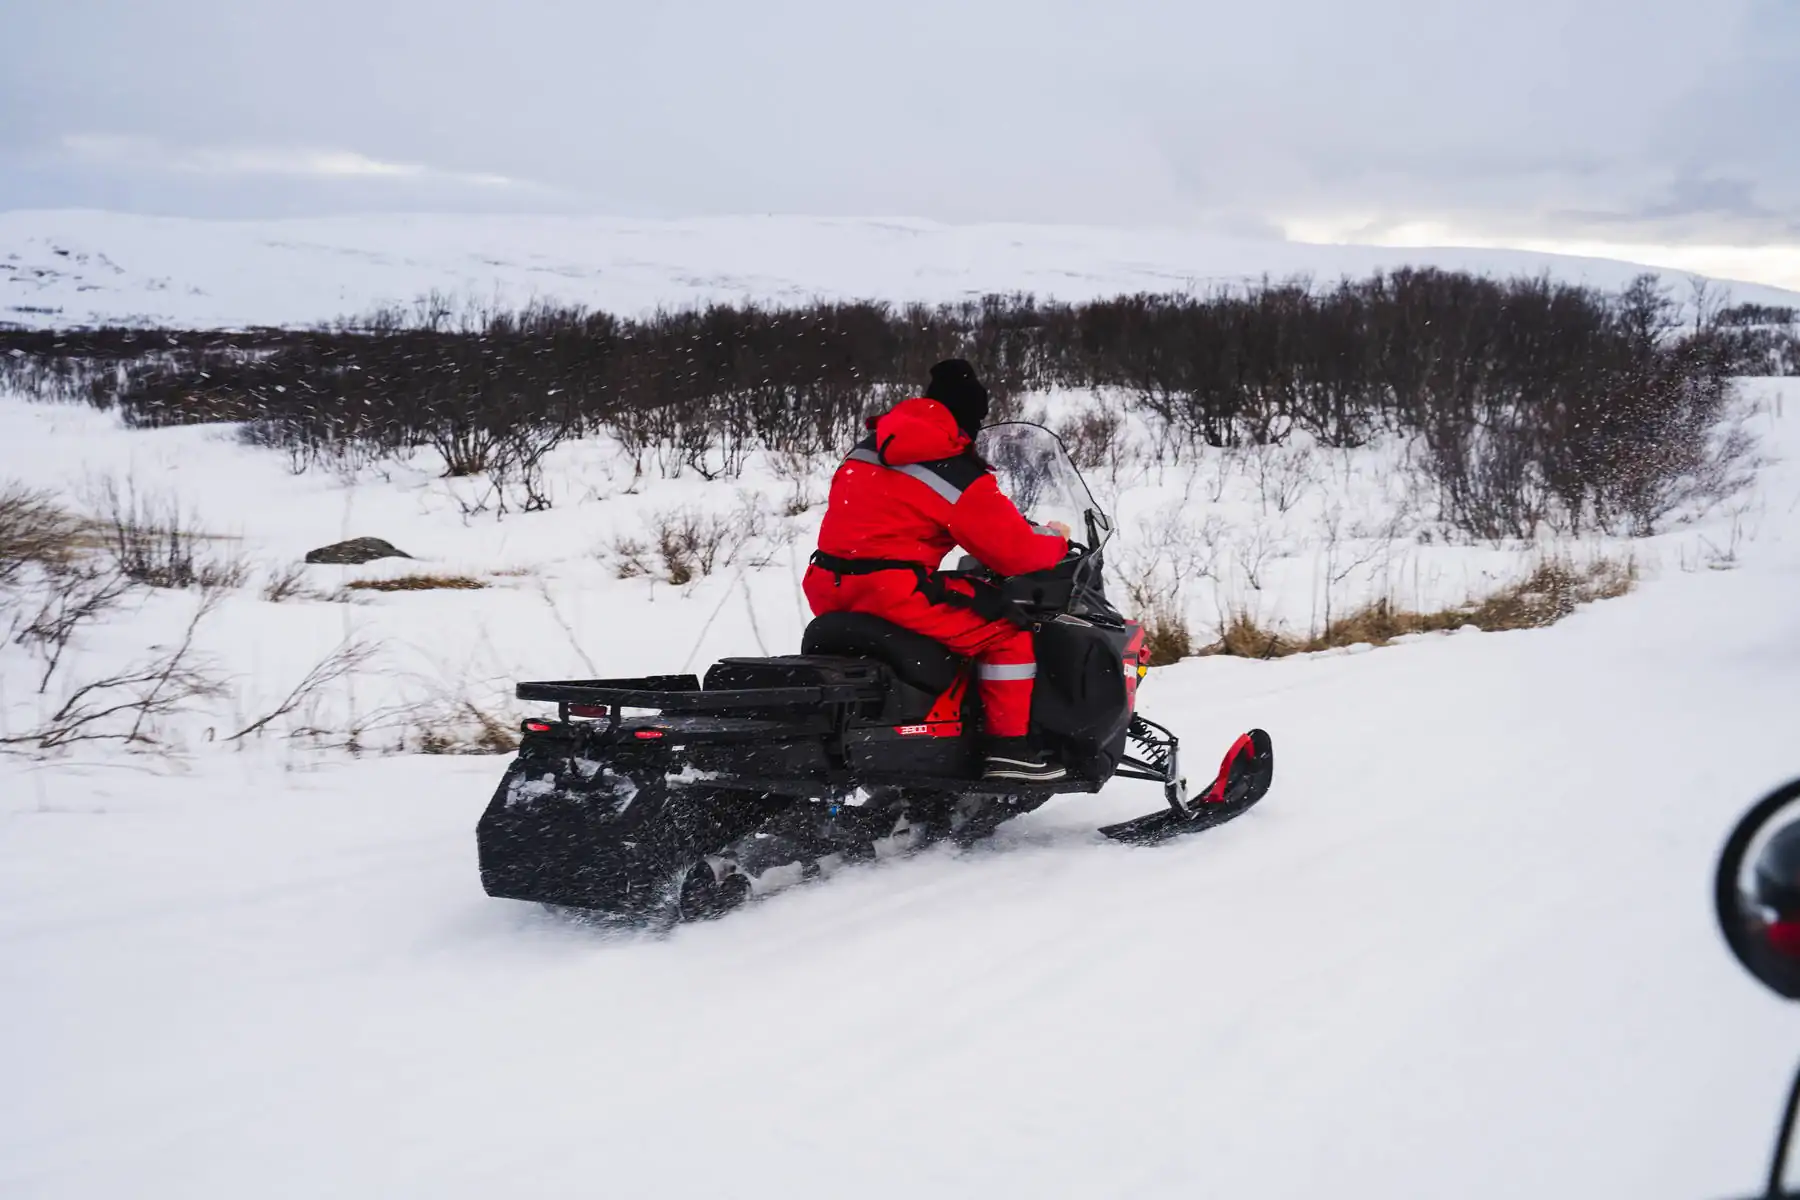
(1034,471)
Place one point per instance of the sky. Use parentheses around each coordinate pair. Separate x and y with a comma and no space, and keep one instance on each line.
(1601,126)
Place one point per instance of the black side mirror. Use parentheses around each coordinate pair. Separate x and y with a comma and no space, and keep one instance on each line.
(1756,893)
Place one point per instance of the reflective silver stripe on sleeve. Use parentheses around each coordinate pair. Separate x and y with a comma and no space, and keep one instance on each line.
(930,479)
(1007,670)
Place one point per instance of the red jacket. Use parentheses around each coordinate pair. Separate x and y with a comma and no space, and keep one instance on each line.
(914,489)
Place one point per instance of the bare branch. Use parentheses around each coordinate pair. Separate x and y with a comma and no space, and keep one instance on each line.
(350,656)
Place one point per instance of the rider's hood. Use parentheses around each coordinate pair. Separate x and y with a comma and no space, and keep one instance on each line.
(916,431)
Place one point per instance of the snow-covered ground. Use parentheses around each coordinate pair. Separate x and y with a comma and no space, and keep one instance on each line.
(1464,948)
(60,268)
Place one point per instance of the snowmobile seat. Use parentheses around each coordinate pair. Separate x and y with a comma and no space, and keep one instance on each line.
(913,658)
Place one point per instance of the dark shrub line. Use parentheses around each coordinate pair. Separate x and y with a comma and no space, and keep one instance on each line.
(1533,400)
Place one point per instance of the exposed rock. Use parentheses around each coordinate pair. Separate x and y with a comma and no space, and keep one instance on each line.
(356,550)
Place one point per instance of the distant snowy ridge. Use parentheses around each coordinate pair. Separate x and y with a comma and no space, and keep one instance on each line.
(61,269)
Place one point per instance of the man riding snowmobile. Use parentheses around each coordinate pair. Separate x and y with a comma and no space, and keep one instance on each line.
(908,494)
(705,789)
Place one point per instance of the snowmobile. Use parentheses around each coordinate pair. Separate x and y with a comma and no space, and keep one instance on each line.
(694,793)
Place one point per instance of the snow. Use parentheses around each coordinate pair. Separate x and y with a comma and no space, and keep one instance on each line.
(1463,948)
(63,267)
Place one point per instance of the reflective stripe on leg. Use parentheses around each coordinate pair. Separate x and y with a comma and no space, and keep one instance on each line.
(1001,671)
(1006,706)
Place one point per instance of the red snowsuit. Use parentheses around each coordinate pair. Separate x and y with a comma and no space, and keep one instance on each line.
(908,494)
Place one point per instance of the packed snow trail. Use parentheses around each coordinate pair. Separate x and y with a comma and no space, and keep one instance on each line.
(1463,949)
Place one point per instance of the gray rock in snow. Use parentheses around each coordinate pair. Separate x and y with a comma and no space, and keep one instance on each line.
(356,550)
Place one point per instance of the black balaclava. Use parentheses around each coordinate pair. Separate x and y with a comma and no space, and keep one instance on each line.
(953,385)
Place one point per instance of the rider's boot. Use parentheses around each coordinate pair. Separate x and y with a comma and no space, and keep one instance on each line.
(1022,759)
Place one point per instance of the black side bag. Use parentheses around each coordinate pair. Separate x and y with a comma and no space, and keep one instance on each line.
(1080,697)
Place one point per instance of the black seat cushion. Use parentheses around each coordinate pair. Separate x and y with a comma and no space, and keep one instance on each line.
(912,657)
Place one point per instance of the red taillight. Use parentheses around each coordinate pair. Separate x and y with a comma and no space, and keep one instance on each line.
(538,727)
(648,735)
(588,710)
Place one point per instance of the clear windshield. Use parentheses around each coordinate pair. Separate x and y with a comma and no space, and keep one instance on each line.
(1034,470)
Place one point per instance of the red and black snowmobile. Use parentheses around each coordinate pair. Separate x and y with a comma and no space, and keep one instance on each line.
(685,794)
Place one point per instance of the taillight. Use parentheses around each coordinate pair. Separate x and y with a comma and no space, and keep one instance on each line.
(588,710)
(648,735)
(538,727)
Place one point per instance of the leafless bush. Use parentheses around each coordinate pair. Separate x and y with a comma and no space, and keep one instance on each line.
(153,542)
(799,469)
(689,543)
(1167,555)
(1718,466)
(1348,550)
(1215,481)
(523,449)
(128,705)
(1283,474)
(34,529)
(73,596)
(1250,553)
(1092,437)
(633,558)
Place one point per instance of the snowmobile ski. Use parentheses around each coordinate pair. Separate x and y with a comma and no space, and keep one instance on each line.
(1244,777)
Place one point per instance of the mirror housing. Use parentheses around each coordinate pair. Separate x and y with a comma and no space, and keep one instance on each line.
(1756,891)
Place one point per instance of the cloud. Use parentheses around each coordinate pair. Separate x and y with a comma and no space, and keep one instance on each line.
(127,152)
(1623,121)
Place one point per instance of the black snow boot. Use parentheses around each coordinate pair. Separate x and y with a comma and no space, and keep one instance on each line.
(1018,758)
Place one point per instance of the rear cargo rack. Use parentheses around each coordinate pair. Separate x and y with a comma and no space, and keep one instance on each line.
(682,693)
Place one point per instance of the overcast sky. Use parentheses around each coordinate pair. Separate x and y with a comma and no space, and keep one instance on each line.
(1666,123)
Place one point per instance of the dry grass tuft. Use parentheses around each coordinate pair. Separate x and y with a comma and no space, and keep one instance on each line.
(290,582)
(1242,637)
(1167,638)
(155,542)
(417,583)
(1554,589)
(467,729)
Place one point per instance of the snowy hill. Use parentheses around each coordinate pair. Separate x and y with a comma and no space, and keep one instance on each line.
(1463,949)
(62,268)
